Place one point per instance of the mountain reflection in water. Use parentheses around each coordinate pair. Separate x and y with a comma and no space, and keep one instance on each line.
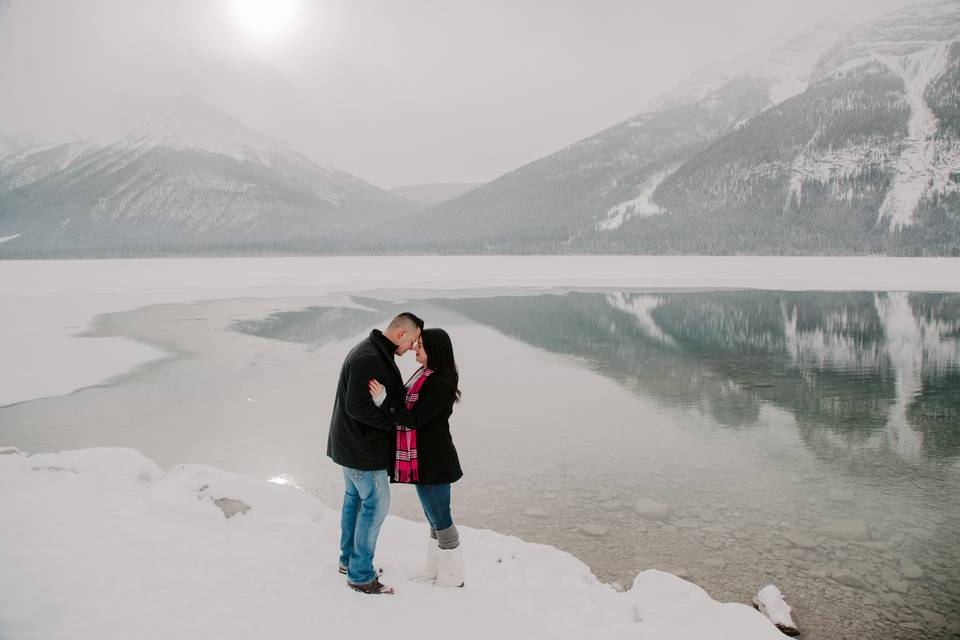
(878,371)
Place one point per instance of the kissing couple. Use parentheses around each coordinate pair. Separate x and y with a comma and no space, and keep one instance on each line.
(384,430)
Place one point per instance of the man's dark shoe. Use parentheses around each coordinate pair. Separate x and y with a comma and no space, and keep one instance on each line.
(374,587)
(343,570)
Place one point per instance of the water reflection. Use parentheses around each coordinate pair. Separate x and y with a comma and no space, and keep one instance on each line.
(862,369)
(870,370)
(312,325)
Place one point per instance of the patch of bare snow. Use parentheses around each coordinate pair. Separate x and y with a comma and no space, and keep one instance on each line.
(825,166)
(915,167)
(642,206)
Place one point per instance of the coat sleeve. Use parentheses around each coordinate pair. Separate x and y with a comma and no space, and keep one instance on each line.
(359,404)
(436,399)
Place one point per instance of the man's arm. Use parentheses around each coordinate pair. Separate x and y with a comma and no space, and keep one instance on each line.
(359,405)
(436,398)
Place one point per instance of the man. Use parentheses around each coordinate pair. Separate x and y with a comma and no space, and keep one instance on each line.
(362,441)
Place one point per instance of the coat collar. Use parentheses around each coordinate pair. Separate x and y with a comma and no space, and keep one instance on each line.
(383,343)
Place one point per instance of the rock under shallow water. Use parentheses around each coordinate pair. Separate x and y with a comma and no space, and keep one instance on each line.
(849,530)
(898,586)
(875,545)
(799,539)
(848,579)
(594,529)
(933,618)
(910,569)
(651,509)
(840,495)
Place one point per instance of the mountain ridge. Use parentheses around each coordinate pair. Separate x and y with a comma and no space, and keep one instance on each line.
(178,176)
(855,162)
(843,138)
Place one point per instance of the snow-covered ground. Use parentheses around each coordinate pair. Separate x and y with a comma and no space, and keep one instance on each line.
(102,543)
(48,303)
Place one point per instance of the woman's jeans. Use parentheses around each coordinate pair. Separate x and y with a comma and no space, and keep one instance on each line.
(435,500)
(366,501)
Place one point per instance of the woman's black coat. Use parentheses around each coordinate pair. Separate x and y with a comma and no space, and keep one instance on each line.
(437,460)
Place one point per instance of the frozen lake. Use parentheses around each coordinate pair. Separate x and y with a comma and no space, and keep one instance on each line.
(735,437)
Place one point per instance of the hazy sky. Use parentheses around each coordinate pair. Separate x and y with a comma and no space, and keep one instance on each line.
(395,91)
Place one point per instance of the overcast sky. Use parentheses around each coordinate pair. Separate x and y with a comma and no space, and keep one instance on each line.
(395,91)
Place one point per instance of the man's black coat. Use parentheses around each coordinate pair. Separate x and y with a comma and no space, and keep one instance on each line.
(361,436)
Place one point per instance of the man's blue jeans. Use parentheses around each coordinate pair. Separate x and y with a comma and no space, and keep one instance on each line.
(366,501)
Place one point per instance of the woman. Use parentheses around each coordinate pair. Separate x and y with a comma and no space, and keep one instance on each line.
(426,456)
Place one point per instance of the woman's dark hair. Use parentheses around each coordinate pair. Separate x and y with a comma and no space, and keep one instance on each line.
(440,359)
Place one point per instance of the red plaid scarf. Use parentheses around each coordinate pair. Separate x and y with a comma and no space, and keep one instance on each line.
(405,469)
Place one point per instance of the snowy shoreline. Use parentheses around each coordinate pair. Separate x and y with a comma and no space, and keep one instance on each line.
(102,543)
(49,303)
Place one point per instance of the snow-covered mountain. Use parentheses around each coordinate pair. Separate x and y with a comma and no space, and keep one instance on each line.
(11,144)
(566,199)
(866,159)
(177,175)
(840,139)
(918,46)
(843,138)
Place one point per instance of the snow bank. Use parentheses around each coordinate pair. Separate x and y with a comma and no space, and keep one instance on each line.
(101,543)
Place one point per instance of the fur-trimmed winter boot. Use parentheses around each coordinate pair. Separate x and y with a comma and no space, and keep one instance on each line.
(429,571)
(451,571)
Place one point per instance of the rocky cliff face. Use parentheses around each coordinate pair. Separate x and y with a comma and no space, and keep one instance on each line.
(853,164)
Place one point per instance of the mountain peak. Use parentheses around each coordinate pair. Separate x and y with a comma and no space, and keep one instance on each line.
(784,63)
(900,33)
(186,122)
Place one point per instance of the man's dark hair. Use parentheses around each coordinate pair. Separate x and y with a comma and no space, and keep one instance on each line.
(408,319)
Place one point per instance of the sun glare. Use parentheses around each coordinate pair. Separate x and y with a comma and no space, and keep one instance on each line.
(265,20)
